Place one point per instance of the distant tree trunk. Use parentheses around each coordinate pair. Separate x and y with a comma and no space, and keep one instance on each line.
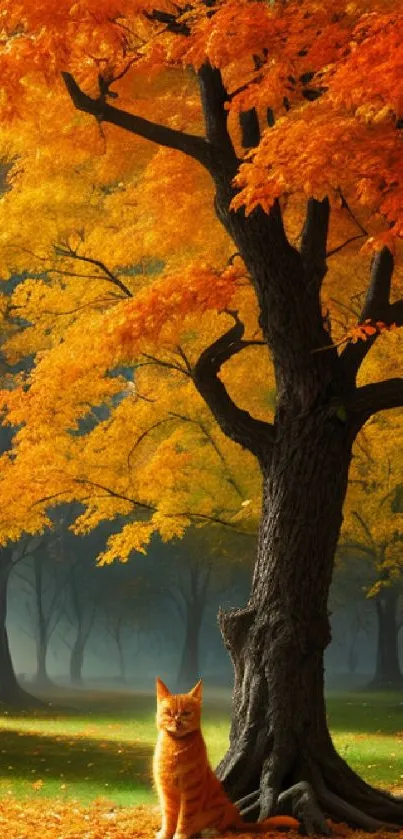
(387,671)
(41,676)
(352,656)
(84,627)
(42,639)
(195,603)
(121,655)
(12,694)
(77,661)
(189,668)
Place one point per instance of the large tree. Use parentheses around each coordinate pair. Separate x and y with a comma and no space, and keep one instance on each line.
(316,92)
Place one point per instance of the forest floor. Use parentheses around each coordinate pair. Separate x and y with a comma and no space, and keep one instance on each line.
(32,819)
(80,769)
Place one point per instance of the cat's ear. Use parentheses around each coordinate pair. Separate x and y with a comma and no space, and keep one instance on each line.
(197,691)
(162,690)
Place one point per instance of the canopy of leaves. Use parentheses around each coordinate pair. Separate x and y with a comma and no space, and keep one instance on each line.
(120,291)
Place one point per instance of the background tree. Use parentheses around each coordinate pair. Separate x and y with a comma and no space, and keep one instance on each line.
(373,526)
(198,569)
(316,93)
(128,614)
(12,694)
(351,614)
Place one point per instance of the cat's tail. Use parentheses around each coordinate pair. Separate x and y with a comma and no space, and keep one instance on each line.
(280,822)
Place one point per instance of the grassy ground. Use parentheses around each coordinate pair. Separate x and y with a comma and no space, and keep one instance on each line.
(367,729)
(101,744)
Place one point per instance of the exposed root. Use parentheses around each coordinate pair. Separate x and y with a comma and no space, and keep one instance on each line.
(302,801)
(338,779)
(311,807)
(249,806)
(340,810)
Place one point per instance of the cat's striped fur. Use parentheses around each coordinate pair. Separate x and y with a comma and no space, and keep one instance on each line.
(191,796)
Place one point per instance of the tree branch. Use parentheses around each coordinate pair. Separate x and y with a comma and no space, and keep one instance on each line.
(214,98)
(314,240)
(365,528)
(190,144)
(170,364)
(344,244)
(376,307)
(142,437)
(252,434)
(250,129)
(183,514)
(370,399)
(228,476)
(70,253)
(172,22)
(356,546)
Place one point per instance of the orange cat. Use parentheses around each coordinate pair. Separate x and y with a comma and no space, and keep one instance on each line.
(191,796)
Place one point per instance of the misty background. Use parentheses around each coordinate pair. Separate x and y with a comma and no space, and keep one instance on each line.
(73,622)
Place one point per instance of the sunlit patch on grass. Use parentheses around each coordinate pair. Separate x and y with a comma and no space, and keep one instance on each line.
(101,745)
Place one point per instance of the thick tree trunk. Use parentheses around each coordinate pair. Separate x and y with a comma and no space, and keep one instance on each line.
(12,694)
(279,735)
(387,671)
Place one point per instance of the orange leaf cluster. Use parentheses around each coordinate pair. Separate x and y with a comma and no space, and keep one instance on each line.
(363,331)
(154,312)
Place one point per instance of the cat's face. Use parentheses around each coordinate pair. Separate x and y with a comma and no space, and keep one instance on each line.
(178,713)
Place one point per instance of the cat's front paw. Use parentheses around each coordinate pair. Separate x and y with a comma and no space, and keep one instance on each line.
(163,834)
(181,835)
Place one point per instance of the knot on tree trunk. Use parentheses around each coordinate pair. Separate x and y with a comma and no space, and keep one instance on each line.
(235,625)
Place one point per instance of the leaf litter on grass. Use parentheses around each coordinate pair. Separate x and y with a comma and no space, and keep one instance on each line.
(52,819)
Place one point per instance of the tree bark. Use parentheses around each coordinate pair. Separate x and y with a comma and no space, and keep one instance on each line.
(12,695)
(387,670)
(279,735)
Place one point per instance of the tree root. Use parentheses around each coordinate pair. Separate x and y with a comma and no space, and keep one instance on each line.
(298,801)
(341,810)
(337,776)
(312,807)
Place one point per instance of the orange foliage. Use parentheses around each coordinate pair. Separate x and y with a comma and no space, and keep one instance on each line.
(131,277)
(52,819)
(68,820)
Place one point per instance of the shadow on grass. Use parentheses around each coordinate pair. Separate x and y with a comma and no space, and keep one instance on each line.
(123,705)
(71,759)
(64,702)
(366,713)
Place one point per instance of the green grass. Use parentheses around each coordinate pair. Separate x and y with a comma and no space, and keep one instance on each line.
(367,729)
(100,744)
